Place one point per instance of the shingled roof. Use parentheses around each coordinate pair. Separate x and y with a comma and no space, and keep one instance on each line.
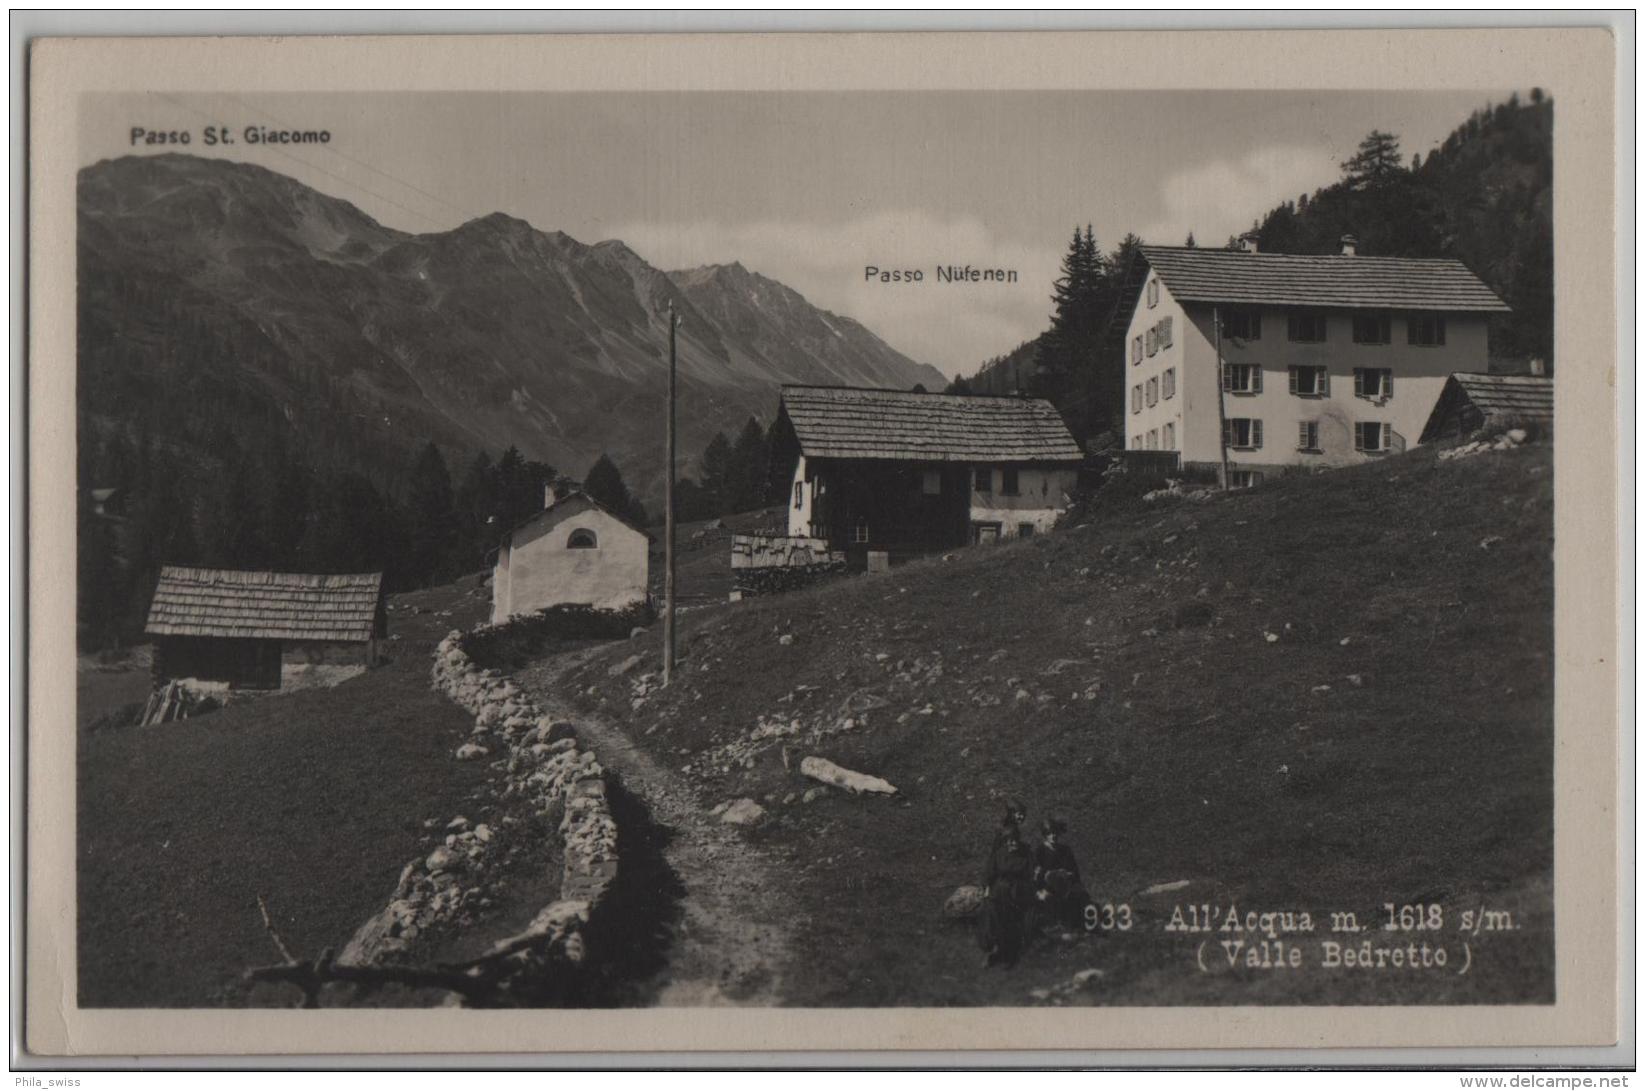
(1500,400)
(265,605)
(850,422)
(1196,275)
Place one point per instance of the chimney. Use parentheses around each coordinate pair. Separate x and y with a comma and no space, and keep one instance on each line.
(1539,366)
(550,494)
(1249,242)
(1350,245)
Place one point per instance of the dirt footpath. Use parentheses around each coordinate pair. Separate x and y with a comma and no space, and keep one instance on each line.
(727,941)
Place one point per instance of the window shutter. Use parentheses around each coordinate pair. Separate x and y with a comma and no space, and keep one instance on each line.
(1387,437)
(1388,383)
(1256,379)
(1359,382)
(1302,435)
(1165,333)
(1256,433)
(1295,373)
(1324,388)
(1227,377)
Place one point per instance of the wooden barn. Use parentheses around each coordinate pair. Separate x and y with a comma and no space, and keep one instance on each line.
(893,474)
(217,625)
(1470,402)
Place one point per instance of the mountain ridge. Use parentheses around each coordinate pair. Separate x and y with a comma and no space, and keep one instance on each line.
(244,290)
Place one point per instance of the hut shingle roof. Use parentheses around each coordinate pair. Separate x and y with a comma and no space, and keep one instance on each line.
(1197,275)
(1520,397)
(268,605)
(849,422)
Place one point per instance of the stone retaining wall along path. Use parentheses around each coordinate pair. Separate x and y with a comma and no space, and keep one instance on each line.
(544,765)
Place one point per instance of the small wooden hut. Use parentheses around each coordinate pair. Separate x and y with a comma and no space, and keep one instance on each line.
(1471,401)
(240,628)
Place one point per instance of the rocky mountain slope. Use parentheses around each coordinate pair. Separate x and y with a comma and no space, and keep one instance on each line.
(252,302)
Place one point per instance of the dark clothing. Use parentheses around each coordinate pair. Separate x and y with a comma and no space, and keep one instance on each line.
(1009,880)
(1057,877)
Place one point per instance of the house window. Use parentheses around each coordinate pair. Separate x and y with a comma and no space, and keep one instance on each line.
(1308,435)
(1242,433)
(1136,442)
(1168,383)
(1168,437)
(1373,382)
(1025,530)
(1136,398)
(1242,378)
(1136,349)
(1424,329)
(1310,382)
(582,538)
(1164,328)
(1153,439)
(1153,392)
(1008,480)
(1153,292)
(1242,325)
(984,478)
(799,494)
(1373,436)
(1244,479)
(1151,340)
(931,482)
(859,534)
(1306,326)
(1371,329)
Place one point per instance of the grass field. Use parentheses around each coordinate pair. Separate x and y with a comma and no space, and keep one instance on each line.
(316,800)
(1325,694)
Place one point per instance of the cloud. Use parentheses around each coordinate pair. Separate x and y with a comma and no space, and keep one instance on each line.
(1220,198)
(953,326)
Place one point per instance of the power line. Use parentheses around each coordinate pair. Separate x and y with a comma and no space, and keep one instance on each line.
(312,166)
(360,162)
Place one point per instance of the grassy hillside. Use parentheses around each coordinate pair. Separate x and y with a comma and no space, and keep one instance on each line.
(1324,694)
(316,800)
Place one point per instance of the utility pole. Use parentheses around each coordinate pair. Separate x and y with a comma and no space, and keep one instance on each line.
(668,517)
(1222,398)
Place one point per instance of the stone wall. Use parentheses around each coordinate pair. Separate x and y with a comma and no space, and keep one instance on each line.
(764,565)
(548,767)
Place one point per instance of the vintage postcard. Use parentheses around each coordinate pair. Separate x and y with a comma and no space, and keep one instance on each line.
(823,542)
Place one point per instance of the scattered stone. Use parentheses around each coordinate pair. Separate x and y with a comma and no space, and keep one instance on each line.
(1320,690)
(744,812)
(469,751)
(786,639)
(1272,638)
(813,794)
(459,823)
(626,665)
(443,859)
(1356,679)
(826,771)
(1489,540)
(963,904)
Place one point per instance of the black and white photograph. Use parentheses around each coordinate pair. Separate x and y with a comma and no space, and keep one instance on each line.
(826,549)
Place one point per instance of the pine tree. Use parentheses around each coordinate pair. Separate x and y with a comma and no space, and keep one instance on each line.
(717,474)
(431,518)
(750,459)
(604,484)
(1376,162)
(1190,243)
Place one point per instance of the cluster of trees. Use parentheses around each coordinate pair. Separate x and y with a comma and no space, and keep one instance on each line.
(733,476)
(1483,196)
(266,506)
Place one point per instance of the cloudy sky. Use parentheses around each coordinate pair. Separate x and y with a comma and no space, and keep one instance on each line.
(809,188)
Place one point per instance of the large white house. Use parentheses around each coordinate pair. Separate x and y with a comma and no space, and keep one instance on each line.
(574,551)
(1326,359)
